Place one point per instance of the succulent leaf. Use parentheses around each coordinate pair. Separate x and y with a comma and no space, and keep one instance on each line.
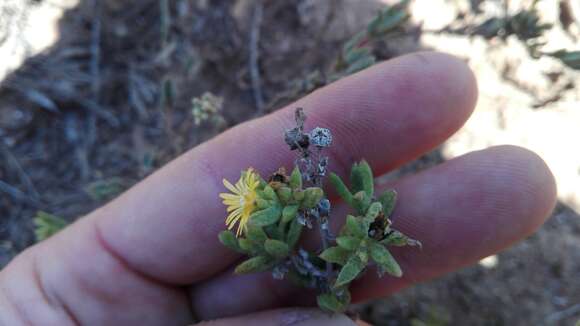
(384,259)
(349,271)
(253,265)
(276,248)
(340,188)
(335,255)
(266,216)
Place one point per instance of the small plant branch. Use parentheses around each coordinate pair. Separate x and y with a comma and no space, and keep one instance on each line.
(255,56)
(23,176)
(18,195)
(281,206)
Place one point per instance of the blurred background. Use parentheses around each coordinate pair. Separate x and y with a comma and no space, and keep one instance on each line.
(97,94)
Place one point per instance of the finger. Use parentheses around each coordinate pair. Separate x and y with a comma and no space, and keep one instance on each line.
(462,210)
(166,227)
(164,230)
(294,317)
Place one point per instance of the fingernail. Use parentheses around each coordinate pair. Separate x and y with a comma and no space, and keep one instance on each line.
(313,317)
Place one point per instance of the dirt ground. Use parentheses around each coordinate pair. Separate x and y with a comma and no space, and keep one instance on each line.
(94,96)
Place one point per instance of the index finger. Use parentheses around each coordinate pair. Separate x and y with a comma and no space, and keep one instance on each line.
(166,226)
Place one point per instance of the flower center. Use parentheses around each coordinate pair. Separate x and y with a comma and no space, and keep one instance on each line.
(248,202)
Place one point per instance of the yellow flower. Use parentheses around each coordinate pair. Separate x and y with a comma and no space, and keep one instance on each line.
(242,202)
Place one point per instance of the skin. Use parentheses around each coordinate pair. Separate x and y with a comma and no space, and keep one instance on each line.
(151,256)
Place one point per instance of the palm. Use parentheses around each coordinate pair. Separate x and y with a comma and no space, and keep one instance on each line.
(152,255)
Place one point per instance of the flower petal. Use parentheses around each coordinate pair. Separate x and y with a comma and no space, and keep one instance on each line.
(230,186)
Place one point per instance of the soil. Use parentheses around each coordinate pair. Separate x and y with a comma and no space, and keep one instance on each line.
(110,101)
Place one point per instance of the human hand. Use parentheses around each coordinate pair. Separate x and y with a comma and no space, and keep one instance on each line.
(152,256)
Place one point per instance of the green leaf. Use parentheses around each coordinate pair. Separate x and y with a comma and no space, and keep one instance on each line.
(363,253)
(276,231)
(361,64)
(354,55)
(349,271)
(289,213)
(388,199)
(47,225)
(276,248)
(285,194)
(298,195)
(296,179)
(253,265)
(354,42)
(228,239)
(385,260)
(356,176)
(312,196)
(294,233)
(398,239)
(266,216)
(361,202)
(256,234)
(569,58)
(335,255)
(355,227)
(371,215)
(269,193)
(389,19)
(262,203)
(248,246)
(340,188)
(348,242)
(330,303)
(102,190)
(374,210)
(367,178)
(263,182)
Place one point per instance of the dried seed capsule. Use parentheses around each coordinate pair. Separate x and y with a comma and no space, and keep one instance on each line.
(320,137)
(324,207)
(296,139)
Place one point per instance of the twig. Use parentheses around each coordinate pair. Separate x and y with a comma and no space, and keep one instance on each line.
(73,137)
(26,83)
(18,195)
(95,72)
(313,169)
(24,178)
(96,51)
(255,56)
(563,314)
(165,22)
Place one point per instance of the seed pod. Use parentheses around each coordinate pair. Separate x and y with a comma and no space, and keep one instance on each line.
(320,137)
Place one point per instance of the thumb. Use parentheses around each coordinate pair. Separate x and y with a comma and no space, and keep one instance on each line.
(285,317)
